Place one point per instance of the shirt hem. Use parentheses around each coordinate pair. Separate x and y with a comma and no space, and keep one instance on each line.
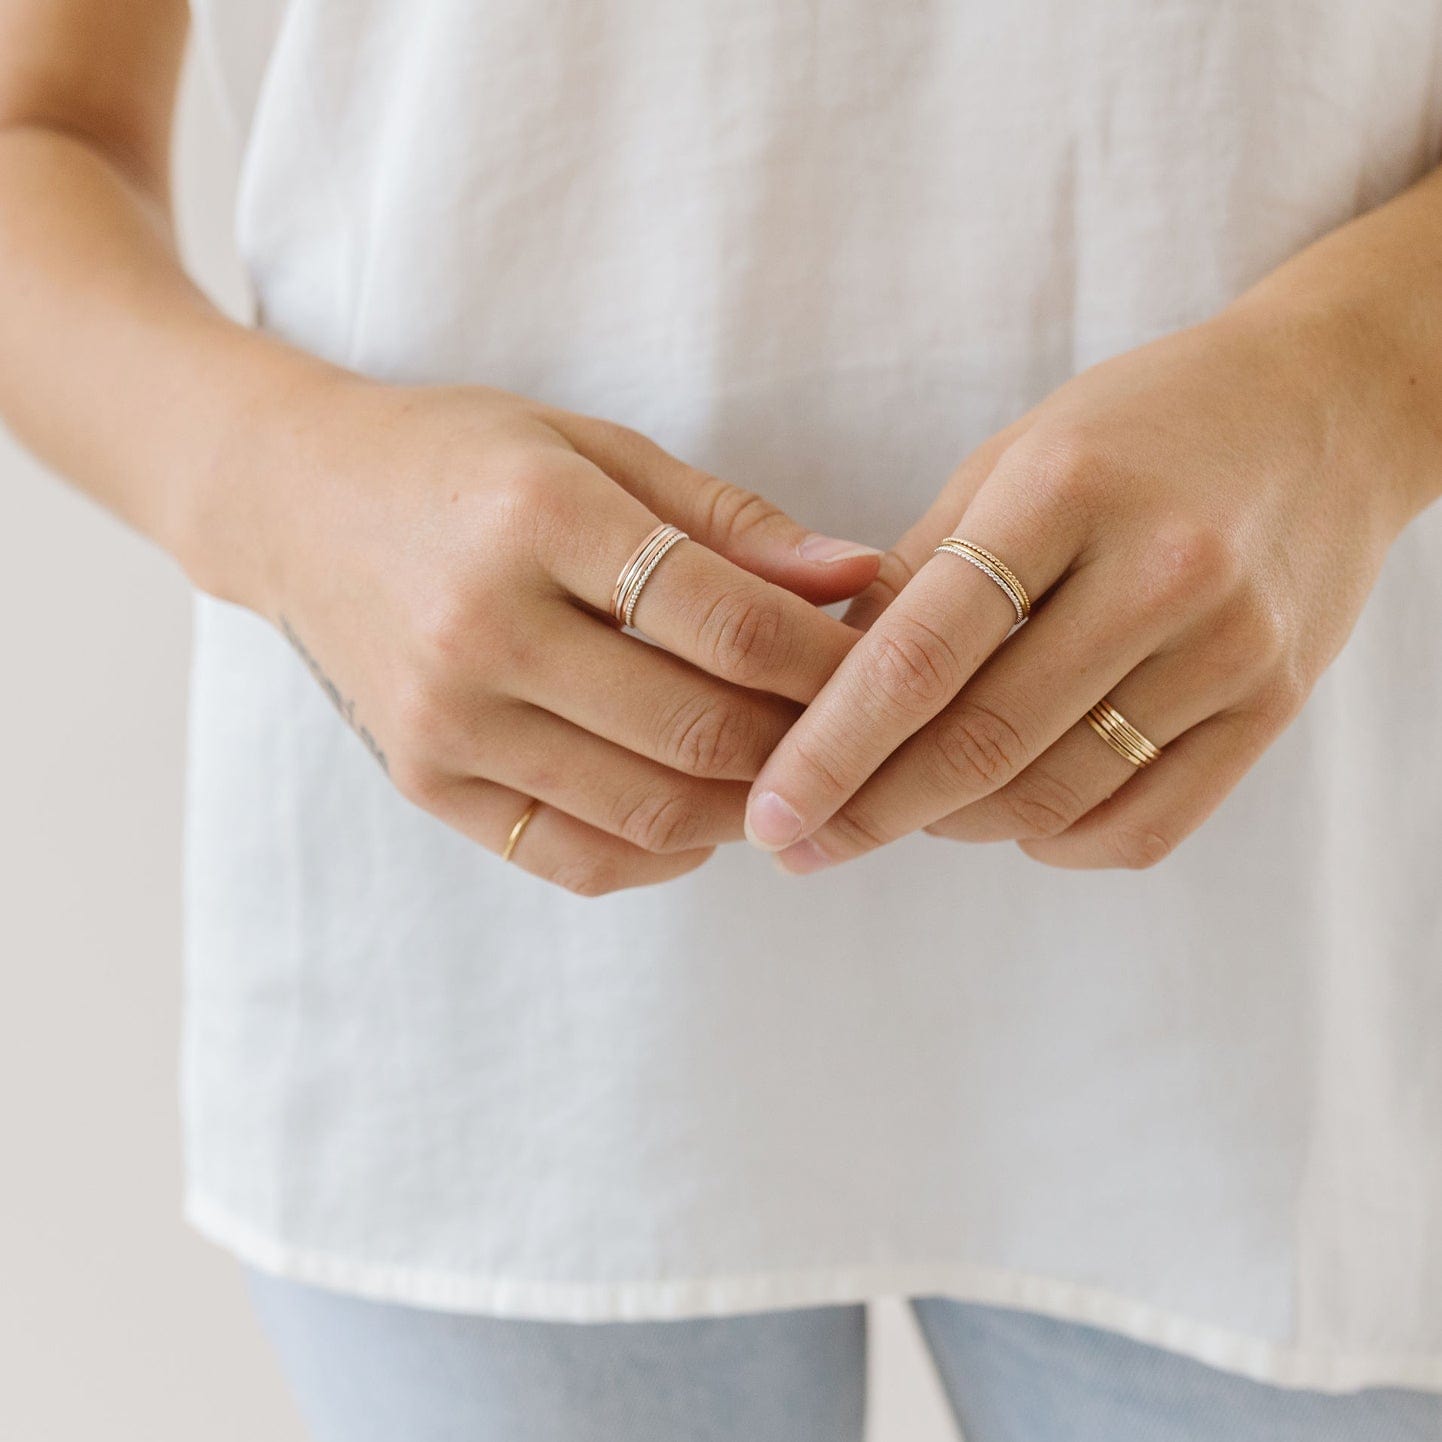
(730,1294)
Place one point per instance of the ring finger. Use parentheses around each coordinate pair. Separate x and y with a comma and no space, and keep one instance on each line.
(1165,696)
(609,787)
(555,846)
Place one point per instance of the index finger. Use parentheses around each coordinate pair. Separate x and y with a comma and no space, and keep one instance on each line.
(915,658)
(698,605)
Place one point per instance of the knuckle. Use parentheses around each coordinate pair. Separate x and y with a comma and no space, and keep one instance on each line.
(978,747)
(1042,805)
(1067,466)
(713,738)
(731,511)
(531,507)
(855,831)
(1263,637)
(1137,847)
(502,651)
(527,484)
(743,635)
(915,666)
(419,781)
(444,627)
(587,873)
(420,716)
(1281,698)
(461,634)
(1186,563)
(823,764)
(657,821)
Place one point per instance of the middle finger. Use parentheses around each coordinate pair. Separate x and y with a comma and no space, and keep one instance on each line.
(696,604)
(651,702)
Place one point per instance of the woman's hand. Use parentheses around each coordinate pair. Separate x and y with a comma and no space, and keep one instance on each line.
(443,559)
(1197,522)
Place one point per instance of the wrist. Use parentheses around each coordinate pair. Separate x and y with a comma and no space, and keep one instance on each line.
(229,512)
(1357,358)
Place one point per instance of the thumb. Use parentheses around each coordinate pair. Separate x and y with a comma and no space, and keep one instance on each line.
(736,523)
(761,538)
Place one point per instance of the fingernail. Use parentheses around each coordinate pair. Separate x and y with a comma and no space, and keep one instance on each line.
(771,823)
(802,859)
(827,549)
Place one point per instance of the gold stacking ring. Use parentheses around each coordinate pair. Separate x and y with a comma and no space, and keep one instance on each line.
(637,571)
(994,567)
(523,821)
(1121,735)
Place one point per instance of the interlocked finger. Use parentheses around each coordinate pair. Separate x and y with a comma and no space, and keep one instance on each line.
(1013,710)
(908,667)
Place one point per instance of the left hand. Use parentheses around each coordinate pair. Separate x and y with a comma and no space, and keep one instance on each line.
(1198,523)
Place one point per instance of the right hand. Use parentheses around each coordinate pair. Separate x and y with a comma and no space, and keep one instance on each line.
(443,558)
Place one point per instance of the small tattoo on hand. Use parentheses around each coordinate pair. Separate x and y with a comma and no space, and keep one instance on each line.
(343,704)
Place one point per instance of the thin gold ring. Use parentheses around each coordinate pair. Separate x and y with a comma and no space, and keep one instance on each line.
(522,821)
(637,570)
(1121,735)
(995,568)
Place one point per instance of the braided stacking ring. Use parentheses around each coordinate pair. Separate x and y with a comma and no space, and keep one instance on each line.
(995,568)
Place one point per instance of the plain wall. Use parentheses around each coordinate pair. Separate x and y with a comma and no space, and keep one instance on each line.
(116,1323)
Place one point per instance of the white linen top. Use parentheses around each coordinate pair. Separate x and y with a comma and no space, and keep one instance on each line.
(823,251)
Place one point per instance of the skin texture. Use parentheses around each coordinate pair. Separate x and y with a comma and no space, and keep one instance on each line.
(1198,523)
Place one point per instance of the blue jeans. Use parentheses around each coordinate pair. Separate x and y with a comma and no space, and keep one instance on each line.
(371,1372)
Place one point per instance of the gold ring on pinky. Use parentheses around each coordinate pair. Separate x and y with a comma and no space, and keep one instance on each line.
(994,567)
(518,830)
(637,571)
(1121,735)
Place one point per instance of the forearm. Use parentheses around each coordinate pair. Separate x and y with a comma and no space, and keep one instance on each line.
(114,368)
(1366,305)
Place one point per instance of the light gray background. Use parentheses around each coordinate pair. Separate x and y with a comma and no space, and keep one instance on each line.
(115,1322)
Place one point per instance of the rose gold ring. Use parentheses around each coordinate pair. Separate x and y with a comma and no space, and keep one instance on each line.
(637,571)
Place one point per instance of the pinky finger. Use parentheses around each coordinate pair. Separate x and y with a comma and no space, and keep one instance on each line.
(1145,820)
(553,844)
